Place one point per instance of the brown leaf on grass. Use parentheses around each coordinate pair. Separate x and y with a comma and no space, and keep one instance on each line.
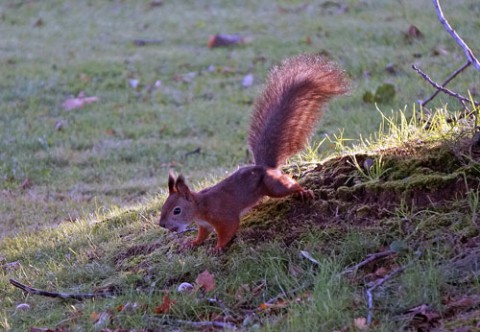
(381,272)
(360,323)
(453,306)
(259,288)
(156,3)
(165,306)
(413,33)
(280,304)
(206,281)
(245,292)
(100,319)
(242,291)
(38,23)
(26,184)
(222,40)
(78,102)
(306,40)
(423,318)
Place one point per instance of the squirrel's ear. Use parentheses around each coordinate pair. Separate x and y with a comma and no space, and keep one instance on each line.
(171,183)
(182,188)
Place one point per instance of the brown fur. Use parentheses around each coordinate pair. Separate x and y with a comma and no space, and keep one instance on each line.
(286,113)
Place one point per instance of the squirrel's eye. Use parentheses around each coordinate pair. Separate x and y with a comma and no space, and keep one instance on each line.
(177,210)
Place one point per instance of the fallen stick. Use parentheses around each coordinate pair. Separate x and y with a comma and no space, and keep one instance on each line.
(377,283)
(65,296)
(370,258)
(196,324)
(221,325)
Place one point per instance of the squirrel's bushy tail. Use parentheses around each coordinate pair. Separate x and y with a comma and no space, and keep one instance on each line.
(285,114)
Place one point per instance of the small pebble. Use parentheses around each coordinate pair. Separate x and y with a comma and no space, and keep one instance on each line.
(23,307)
(184,286)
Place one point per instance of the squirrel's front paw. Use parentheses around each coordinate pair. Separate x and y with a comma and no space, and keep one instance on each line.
(216,251)
(190,245)
(306,195)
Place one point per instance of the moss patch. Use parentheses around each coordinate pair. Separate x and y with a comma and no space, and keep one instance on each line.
(418,176)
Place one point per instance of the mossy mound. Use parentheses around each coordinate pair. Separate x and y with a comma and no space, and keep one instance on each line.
(415,176)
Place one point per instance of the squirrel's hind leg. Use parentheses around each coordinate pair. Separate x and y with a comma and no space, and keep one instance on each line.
(278,185)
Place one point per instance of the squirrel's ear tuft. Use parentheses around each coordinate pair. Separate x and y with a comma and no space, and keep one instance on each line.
(182,188)
(171,183)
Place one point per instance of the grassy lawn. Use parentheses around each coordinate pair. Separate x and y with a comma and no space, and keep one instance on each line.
(81,189)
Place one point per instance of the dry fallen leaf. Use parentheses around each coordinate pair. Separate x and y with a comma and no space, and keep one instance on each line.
(205,280)
(100,319)
(78,102)
(453,306)
(414,32)
(220,40)
(381,272)
(280,304)
(165,306)
(156,3)
(360,323)
(26,184)
(423,317)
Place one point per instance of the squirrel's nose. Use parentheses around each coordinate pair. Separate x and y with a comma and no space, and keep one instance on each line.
(161,222)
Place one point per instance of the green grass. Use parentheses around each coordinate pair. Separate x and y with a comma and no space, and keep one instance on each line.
(80,190)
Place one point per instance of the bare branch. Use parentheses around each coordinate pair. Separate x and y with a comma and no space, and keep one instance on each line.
(441,88)
(451,77)
(468,52)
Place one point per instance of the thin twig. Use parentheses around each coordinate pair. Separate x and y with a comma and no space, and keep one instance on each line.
(451,77)
(468,52)
(197,324)
(144,42)
(292,292)
(221,325)
(64,296)
(441,88)
(377,284)
(370,258)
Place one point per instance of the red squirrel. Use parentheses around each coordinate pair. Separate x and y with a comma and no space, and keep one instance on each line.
(283,119)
